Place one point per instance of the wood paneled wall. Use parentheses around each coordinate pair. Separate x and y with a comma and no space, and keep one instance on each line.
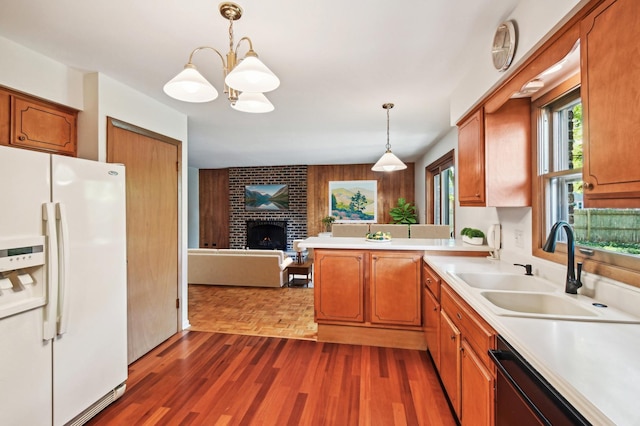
(391,186)
(214,208)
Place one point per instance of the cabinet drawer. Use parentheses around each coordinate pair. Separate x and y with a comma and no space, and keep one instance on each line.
(431,281)
(473,328)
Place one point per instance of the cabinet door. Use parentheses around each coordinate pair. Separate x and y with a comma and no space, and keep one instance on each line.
(395,288)
(471,172)
(507,133)
(43,127)
(610,94)
(477,393)
(339,285)
(431,325)
(450,360)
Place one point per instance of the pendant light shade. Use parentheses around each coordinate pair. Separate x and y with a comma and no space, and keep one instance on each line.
(388,162)
(190,86)
(251,75)
(253,102)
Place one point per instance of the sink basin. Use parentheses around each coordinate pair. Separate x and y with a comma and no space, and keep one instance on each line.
(510,282)
(553,306)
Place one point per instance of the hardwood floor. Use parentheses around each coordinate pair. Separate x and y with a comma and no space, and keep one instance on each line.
(200,378)
(273,312)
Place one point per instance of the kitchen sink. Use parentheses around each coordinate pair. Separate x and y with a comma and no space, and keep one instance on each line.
(554,306)
(510,282)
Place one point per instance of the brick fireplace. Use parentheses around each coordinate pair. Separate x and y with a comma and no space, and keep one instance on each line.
(267,234)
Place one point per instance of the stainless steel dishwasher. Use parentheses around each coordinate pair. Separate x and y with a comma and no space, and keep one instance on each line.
(524,397)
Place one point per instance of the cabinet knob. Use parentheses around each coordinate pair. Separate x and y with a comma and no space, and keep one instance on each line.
(588,185)
(458,315)
(477,195)
(453,337)
(435,309)
(21,138)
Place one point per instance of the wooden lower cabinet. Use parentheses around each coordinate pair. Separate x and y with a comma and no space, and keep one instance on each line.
(339,285)
(473,398)
(431,325)
(477,390)
(369,297)
(459,341)
(394,294)
(450,373)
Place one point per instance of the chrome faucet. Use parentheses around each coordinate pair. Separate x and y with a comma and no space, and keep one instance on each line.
(572,284)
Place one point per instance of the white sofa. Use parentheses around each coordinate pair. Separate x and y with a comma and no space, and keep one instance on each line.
(254,268)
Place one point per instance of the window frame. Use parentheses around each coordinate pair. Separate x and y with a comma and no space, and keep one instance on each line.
(432,170)
(616,266)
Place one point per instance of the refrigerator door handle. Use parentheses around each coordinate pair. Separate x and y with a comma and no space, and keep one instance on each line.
(63,290)
(51,308)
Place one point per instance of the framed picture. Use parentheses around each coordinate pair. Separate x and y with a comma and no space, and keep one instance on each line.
(266,197)
(353,201)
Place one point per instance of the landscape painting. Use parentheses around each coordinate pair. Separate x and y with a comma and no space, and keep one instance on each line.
(266,197)
(354,201)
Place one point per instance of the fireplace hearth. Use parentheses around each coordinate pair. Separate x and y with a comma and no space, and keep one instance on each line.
(267,234)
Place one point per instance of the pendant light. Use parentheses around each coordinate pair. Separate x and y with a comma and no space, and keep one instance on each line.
(388,162)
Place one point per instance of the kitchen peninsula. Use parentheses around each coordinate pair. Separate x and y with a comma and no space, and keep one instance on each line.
(369,292)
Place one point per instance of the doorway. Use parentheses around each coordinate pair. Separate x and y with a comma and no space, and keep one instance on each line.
(152,164)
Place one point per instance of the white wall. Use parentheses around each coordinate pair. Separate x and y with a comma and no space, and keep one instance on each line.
(194,208)
(98,96)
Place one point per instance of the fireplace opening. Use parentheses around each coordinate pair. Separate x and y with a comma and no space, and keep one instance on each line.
(267,234)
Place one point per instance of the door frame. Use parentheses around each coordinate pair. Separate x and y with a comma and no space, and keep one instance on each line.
(116,123)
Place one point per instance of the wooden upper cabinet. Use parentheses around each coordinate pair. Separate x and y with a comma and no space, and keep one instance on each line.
(471,172)
(508,154)
(494,156)
(42,126)
(610,93)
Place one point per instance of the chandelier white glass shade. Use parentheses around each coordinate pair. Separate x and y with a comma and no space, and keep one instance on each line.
(252,102)
(388,162)
(190,86)
(249,75)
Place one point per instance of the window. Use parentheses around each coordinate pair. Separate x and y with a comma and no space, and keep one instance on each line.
(441,191)
(608,237)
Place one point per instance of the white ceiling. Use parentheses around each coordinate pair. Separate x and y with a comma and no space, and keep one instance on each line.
(338,62)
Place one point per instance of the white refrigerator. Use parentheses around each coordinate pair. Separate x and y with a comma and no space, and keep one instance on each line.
(63,297)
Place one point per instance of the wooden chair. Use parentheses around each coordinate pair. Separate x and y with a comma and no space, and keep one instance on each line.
(349,229)
(430,231)
(397,230)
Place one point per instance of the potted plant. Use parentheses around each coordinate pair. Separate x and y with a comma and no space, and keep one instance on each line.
(472,236)
(327,221)
(403,212)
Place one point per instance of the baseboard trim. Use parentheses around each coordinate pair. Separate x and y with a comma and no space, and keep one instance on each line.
(389,338)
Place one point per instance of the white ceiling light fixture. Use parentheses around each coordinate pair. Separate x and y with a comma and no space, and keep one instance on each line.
(245,82)
(388,162)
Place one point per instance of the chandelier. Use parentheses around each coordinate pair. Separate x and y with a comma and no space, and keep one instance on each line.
(245,82)
(388,162)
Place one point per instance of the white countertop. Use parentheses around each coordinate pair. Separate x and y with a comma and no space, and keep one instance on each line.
(594,365)
(394,244)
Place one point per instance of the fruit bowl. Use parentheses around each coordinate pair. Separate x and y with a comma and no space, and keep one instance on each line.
(378,237)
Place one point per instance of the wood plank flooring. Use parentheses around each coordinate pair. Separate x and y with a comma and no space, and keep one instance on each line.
(274,312)
(200,378)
